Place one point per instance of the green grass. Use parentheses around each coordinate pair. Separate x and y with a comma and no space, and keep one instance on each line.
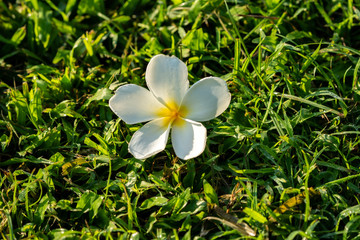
(282,162)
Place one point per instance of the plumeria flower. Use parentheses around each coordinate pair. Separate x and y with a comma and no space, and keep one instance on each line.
(170,104)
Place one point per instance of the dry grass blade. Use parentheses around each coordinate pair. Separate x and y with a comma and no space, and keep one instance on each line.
(232,222)
(292,202)
(3,222)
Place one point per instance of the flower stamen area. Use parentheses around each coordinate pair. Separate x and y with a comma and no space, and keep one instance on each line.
(173,114)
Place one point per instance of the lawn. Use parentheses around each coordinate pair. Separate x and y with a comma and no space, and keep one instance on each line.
(281,162)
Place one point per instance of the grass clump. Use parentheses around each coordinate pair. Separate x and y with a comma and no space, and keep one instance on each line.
(281,163)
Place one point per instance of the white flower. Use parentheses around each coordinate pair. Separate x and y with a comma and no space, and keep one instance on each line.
(170,104)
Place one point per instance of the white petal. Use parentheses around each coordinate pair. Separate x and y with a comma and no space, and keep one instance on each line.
(166,77)
(188,139)
(149,139)
(134,104)
(206,99)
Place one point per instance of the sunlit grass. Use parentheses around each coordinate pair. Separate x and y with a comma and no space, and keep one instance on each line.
(282,162)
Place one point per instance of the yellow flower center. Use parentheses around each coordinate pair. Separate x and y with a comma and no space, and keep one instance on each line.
(173,114)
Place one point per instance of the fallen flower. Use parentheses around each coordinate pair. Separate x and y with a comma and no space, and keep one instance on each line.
(170,104)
